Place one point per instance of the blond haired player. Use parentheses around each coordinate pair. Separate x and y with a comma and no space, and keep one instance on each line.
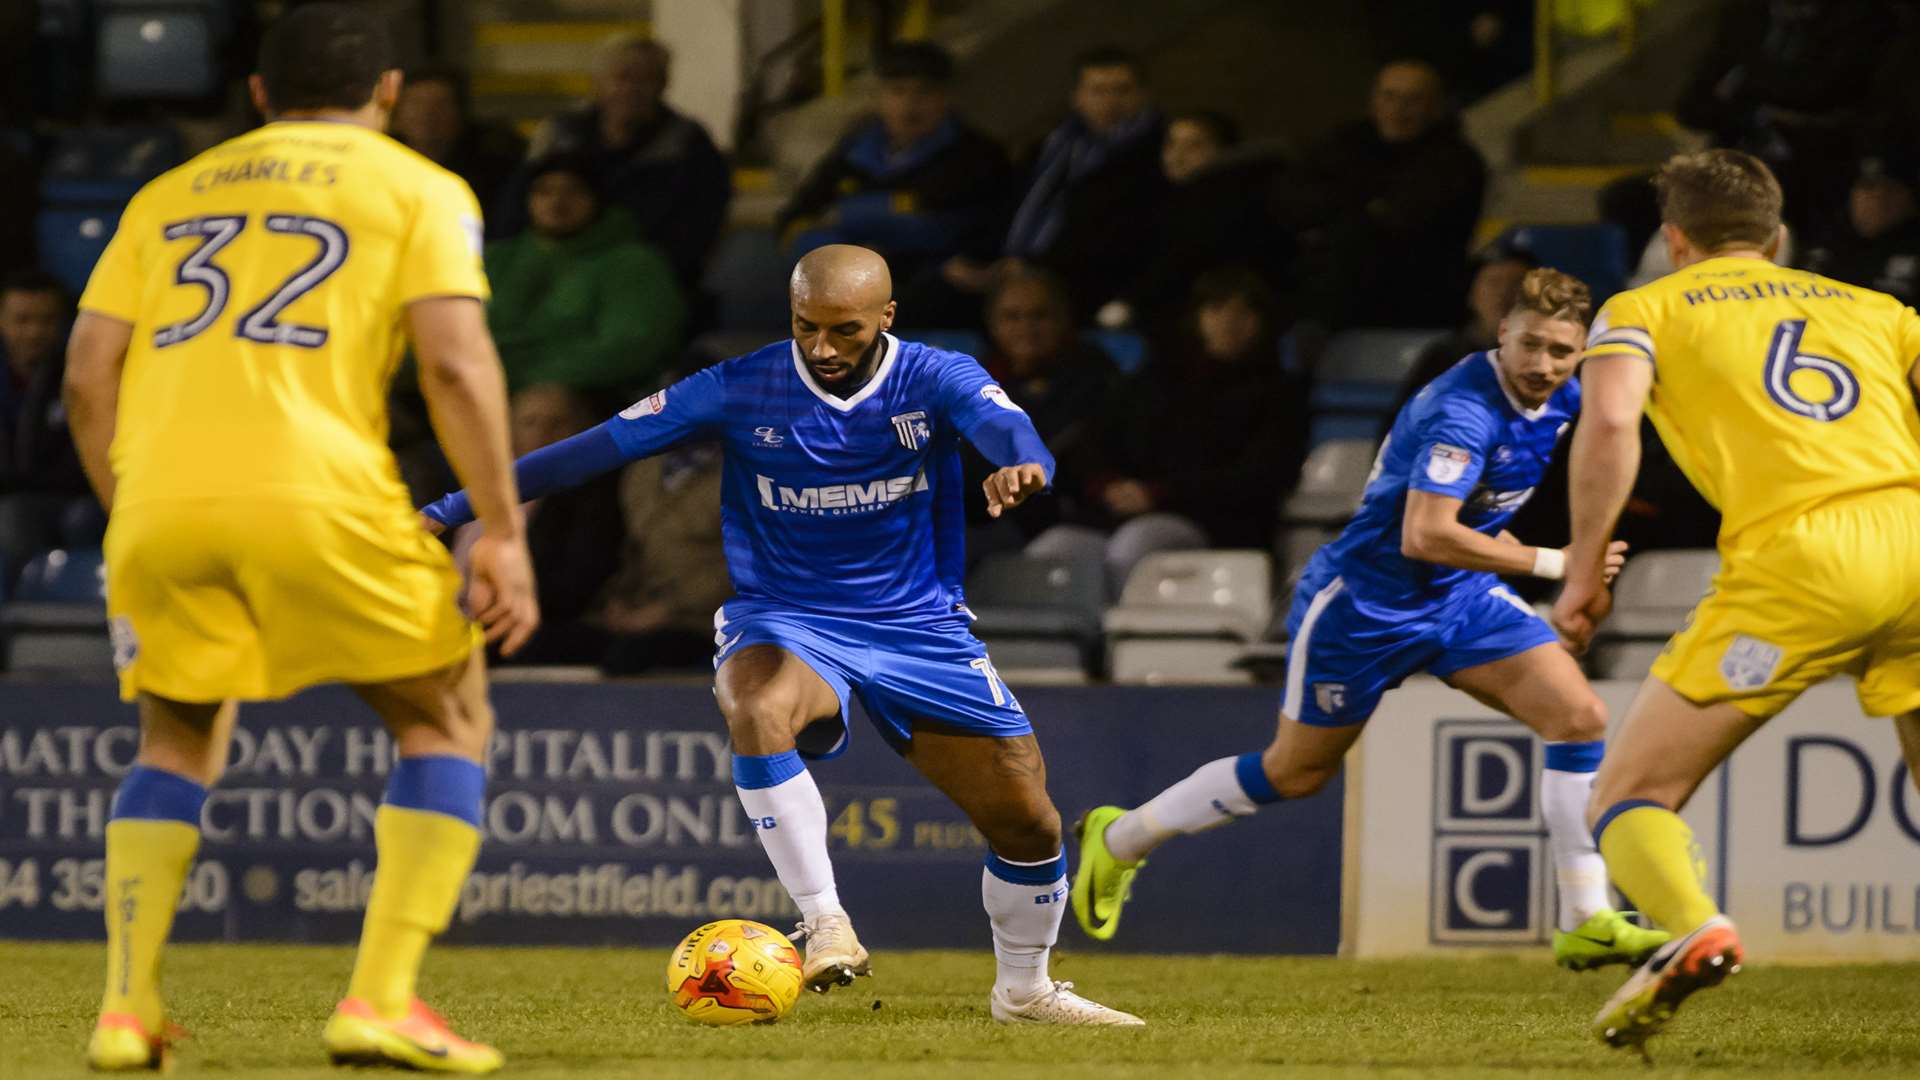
(227,381)
(1788,400)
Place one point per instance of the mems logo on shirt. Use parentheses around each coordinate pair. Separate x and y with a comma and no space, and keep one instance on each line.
(838,499)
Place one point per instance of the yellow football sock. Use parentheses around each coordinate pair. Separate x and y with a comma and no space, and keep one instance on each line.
(147,863)
(1652,858)
(424,860)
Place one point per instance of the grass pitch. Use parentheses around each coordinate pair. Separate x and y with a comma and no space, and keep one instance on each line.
(256,1011)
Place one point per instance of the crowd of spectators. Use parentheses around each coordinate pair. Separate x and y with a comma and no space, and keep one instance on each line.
(1230,258)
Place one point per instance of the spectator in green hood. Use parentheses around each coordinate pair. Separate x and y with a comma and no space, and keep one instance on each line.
(578,300)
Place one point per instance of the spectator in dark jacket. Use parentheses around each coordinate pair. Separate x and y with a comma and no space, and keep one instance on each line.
(1384,208)
(1214,214)
(657,163)
(574,535)
(914,182)
(433,117)
(44,498)
(1879,244)
(1056,377)
(1199,448)
(1090,190)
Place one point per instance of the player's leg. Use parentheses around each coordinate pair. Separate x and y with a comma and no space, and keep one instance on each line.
(768,696)
(153,832)
(427,835)
(1000,783)
(1338,665)
(1543,688)
(1666,747)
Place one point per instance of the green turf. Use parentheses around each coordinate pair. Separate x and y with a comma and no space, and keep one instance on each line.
(583,1013)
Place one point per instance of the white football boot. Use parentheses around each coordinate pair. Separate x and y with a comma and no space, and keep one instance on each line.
(834,953)
(1058,1004)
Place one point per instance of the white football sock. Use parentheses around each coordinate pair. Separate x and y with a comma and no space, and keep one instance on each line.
(1213,795)
(1024,901)
(1578,868)
(791,821)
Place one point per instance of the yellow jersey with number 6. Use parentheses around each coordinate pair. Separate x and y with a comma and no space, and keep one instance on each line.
(267,281)
(1775,390)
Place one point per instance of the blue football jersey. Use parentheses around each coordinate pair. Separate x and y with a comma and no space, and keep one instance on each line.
(850,506)
(1463,436)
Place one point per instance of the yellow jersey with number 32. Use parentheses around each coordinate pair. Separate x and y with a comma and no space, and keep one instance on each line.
(1775,390)
(266,281)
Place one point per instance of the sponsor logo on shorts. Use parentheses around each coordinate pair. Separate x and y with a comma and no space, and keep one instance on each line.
(1330,696)
(126,644)
(1749,663)
(651,405)
(1447,464)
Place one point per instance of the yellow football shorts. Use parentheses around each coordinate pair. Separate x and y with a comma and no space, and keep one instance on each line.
(1833,591)
(221,598)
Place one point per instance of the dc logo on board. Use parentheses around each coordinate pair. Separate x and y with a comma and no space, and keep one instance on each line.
(1487,890)
(1490,865)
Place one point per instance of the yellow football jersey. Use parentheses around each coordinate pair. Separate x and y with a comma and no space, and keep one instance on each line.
(1775,390)
(266,282)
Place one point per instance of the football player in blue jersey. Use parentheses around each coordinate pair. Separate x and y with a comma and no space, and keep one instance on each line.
(1410,586)
(843,521)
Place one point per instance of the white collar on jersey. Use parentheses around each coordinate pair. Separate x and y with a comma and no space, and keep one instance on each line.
(1534,413)
(889,349)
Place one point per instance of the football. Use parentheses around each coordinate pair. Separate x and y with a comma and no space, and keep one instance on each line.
(734,972)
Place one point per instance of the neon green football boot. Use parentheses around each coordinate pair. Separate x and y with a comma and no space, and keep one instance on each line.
(1607,937)
(1103,884)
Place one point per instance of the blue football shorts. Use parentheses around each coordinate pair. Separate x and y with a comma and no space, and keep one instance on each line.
(1345,653)
(906,672)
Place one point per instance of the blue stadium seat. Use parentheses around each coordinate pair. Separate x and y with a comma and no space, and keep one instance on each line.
(1128,349)
(95,166)
(78,576)
(971,342)
(70,242)
(1327,427)
(1596,254)
(153,52)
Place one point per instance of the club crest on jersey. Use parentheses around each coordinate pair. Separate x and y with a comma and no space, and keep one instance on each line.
(912,429)
(651,405)
(1447,463)
(1749,663)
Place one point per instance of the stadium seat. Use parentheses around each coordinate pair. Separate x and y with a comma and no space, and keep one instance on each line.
(970,342)
(1296,545)
(1327,427)
(58,618)
(1128,349)
(156,52)
(1196,594)
(1384,357)
(59,653)
(1596,254)
(1331,483)
(1042,611)
(90,167)
(64,577)
(1629,660)
(1655,592)
(70,242)
(1177,661)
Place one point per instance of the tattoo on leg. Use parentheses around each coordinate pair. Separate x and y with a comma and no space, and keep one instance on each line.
(1019,758)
